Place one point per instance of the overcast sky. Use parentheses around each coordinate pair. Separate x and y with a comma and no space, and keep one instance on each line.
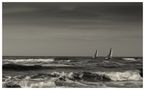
(72,29)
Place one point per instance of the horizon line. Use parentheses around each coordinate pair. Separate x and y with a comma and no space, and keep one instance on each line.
(63,56)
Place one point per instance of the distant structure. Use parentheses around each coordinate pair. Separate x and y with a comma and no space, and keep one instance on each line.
(109,56)
(96,54)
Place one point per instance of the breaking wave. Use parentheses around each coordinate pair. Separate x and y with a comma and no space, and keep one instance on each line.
(129,59)
(28,60)
(69,79)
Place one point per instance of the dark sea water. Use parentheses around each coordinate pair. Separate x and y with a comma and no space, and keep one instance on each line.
(76,72)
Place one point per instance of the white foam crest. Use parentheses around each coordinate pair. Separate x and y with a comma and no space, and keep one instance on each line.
(106,63)
(63,61)
(30,83)
(29,60)
(129,59)
(120,76)
(113,75)
(40,84)
(25,82)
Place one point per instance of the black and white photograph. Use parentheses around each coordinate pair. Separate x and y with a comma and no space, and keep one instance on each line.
(72,44)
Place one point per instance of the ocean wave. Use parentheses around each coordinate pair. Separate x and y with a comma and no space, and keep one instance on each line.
(120,76)
(69,79)
(129,59)
(28,60)
(25,67)
(20,67)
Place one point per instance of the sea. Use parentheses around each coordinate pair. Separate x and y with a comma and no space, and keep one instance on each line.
(71,72)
